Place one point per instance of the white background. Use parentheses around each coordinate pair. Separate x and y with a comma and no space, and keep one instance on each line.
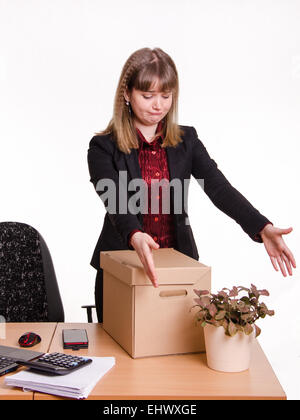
(239,69)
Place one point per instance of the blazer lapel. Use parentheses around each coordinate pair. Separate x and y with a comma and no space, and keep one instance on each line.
(173,156)
(134,169)
(133,165)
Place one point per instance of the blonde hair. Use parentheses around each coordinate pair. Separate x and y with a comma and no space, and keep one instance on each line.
(139,72)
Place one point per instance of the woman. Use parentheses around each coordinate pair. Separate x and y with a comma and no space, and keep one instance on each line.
(143,142)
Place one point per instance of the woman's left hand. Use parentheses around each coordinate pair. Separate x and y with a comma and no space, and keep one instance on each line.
(277,250)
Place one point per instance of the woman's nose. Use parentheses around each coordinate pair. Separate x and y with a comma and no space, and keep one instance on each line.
(157,103)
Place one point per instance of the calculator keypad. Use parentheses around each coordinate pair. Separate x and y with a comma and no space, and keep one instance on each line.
(66,361)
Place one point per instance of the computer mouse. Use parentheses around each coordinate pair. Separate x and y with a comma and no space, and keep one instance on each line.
(29,339)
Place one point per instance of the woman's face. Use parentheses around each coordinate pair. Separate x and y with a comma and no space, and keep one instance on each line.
(149,107)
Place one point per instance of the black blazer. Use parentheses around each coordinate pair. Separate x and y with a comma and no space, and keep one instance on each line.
(188,158)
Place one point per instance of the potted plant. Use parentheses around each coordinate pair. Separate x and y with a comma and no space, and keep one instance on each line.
(229,325)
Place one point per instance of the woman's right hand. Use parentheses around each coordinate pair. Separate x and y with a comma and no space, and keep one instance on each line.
(143,244)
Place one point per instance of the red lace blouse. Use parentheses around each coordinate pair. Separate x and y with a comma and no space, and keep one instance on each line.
(154,166)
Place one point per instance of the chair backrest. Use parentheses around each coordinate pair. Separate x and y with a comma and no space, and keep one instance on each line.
(28,285)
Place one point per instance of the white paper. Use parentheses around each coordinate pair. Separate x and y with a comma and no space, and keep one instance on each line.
(77,384)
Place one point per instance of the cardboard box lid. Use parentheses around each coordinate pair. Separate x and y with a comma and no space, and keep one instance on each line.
(172,267)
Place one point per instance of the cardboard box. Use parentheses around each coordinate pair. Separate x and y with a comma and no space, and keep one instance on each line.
(149,321)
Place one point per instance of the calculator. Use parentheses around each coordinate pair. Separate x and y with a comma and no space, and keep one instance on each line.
(56,363)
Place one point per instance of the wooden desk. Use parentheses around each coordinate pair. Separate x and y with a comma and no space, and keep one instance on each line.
(12,333)
(179,377)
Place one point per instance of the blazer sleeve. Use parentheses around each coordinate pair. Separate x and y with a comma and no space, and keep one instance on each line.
(101,168)
(223,195)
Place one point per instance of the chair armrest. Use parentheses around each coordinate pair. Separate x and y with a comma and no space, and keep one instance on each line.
(89,311)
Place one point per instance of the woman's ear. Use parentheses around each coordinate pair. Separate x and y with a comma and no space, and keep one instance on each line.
(126,95)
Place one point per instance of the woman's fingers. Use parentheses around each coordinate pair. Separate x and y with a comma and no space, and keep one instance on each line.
(280,255)
(281,265)
(143,247)
(287,264)
(151,270)
(290,256)
(285,231)
(284,263)
(274,263)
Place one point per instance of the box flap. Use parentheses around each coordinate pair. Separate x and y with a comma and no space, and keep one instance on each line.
(172,267)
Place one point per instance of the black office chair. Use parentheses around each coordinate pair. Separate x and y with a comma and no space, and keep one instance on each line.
(89,311)
(28,285)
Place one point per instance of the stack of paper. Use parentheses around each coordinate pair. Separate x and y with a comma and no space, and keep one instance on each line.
(77,384)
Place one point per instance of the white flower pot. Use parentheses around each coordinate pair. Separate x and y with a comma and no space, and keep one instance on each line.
(227,354)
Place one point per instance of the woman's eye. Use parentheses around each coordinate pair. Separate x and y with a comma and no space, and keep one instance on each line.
(149,97)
